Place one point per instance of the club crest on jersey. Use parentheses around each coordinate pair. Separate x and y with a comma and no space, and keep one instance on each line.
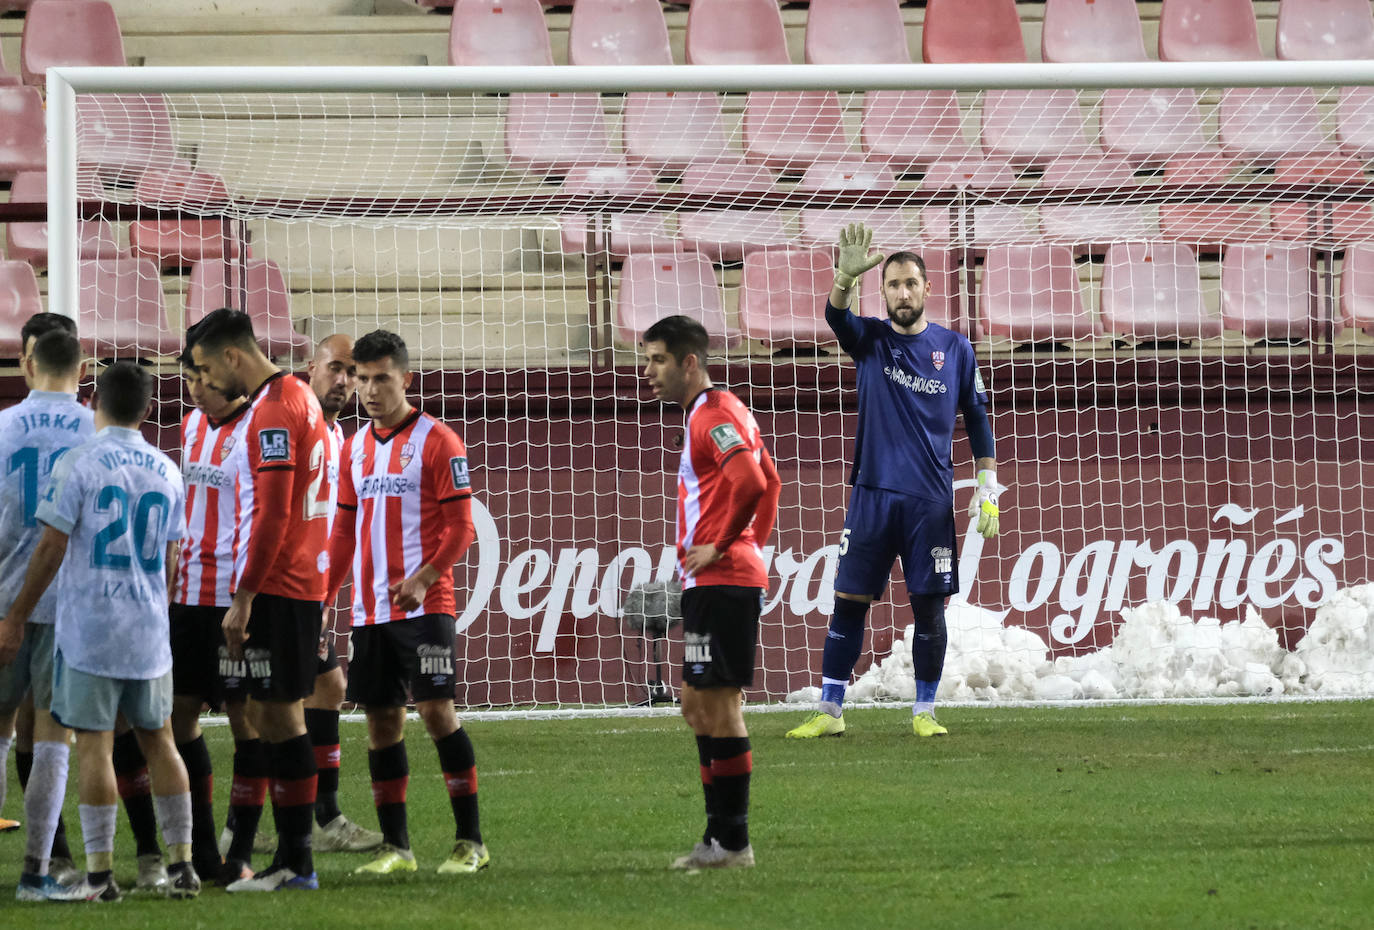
(937,358)
(407,453)
(726,437)
(275,445)
(458,468)
(226,448)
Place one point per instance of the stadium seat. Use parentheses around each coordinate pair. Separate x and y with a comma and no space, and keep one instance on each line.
(1091,30)
(1091,227)
(730,235)
(666,132)
(1268,123)
(735,32)
(791,130)
(1338,221)
(1266,290)
(498,32)
(851,32)
(782,297)
(618,32)
(1148,126)
(957,31)
(69,32)
(19,300)
(630,232)
(1032,127)
(911,129)
(554,133)
(1153,291)
(177,243)
(1208,30)
(119,309)
(259,282)
(943,306)
(1325,29)
(1030,294)
(29,241)
(23,145)
(1357,286)
(1208,225)
(993,224)
(1355,121)
(655,286)
(820,228)
(122,135)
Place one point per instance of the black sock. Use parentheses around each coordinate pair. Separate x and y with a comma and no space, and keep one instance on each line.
(246,796)
(460,777)
(196,756)
(23,767)
(707,789)
(323,727)
(731,765)
(390,769)
(136,790)
(293,802)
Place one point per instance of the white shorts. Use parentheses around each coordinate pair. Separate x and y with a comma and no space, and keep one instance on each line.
(81,701)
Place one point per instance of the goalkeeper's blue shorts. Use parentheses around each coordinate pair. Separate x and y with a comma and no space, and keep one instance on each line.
(883,526)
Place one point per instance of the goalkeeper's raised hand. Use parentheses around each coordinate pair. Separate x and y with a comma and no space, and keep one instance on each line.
(984,503)
(855,257)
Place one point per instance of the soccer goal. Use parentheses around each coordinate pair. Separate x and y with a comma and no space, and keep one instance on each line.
(1166,271)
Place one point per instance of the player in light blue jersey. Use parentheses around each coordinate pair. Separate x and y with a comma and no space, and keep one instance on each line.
(914,378)
(112,517)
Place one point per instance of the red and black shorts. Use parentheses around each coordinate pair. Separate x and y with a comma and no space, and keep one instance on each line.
(281,654)
(720,632)
(387,660)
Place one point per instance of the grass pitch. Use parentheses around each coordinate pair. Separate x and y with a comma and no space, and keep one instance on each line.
(1254,815)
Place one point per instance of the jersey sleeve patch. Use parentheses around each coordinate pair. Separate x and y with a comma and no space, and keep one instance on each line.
(978,382)
(274,445)
(726,437)
(458,470)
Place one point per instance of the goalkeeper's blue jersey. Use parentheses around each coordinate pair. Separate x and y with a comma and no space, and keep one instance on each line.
(910,390)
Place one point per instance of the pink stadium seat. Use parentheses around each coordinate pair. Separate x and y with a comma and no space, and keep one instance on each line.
(630,232)
(943,306)
(122,135)
(1266,290)
(1030,294)
(735,32)
(655,286)
(730,235)
(29,241)
(554,133)
(498,32)
(1150,125)
(1208,30)
(789,131)
(1355,121)
(1357,286)
(1091,227)
(993,224)
(1153,291)
(176,243)
(218,283)
(69,32)
(1032,127)
(1208,225)
(618,32)
(782,297)
(119,309)
(1268,123)
(971,31)
(23,145)
(1091,30)
(821,228)
(666,132)
(1338,221)
(19,300)
(911,129)
(851,32)
(1325,29)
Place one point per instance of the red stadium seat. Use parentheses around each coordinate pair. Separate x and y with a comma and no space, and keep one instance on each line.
(1325,29)
(1153,291)
(22,140)
(1090,228)
(1030,294)
(554,133)
(19,300)
(1357,286)
(912,129)
(260,283)
(179,243)
(943,306)
(821,228)
(29,241)
(735,32)
(1091,30)
(730,235)
(498,32)
(971,31)
(1208,30)
(782,297)
(1148,126)
(1208,225)
(790,131)
(666,132)
(1032,127)
(1266,290)
(119,309)
(122,135)
(630,232)
(618,32)
(1338,221)
(69,32)
(851,32)
(655,286)
(1268,123)
(993,224)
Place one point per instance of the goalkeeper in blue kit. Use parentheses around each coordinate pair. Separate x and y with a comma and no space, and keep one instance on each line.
(914,377)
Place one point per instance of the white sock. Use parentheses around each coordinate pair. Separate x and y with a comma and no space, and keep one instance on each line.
(98,828)
(923,707)
(43,800)
(174,816)
(5,742)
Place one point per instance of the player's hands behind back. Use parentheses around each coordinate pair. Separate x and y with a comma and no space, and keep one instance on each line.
(855,257)
(984,503)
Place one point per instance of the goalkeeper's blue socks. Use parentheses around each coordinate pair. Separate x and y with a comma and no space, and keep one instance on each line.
(925,697)
(843,643)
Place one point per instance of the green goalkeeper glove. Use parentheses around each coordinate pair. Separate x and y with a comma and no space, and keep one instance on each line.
(855,258)
(984,503)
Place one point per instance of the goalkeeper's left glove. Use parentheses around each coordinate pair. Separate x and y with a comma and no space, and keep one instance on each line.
(984,503)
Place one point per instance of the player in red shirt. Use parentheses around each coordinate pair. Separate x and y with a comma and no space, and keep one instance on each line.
(273,620)
(727,501)
(405,516)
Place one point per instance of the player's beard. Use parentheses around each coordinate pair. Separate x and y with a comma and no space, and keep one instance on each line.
(333,403)
(906,316)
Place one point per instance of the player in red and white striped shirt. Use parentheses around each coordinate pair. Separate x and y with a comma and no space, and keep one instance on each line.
(405,516)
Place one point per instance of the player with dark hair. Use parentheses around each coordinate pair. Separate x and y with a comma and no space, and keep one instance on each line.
(727,501)
(405,516)
(273,619)
(914,377)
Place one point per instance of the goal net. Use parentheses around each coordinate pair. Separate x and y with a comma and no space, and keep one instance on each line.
(1167,273)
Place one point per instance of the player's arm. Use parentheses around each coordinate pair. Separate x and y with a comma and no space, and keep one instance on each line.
(748,485)
(854,260)
(979,427)
(446,471)
(342,544)
(43,565)
(766,513)
(173,553)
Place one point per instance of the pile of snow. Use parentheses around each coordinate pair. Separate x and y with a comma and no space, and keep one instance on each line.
(1157,654)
